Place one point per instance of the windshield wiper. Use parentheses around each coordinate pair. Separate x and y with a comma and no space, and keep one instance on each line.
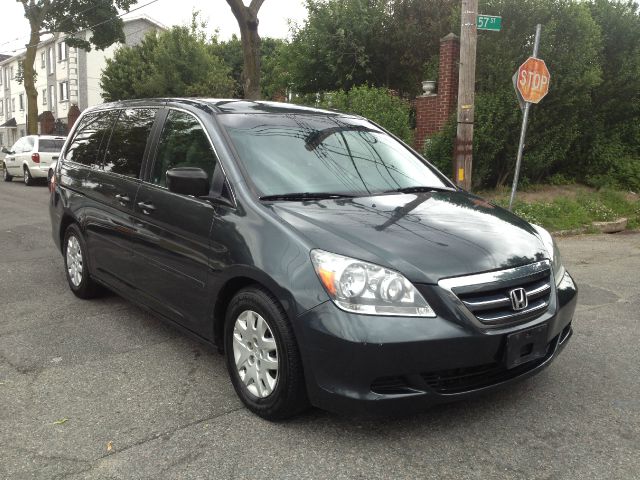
(306,196)
(420,189)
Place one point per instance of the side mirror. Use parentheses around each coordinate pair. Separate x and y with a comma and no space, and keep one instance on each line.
(6,150)
(188,181)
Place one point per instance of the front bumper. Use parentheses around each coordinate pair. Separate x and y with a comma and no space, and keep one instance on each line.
(356,363)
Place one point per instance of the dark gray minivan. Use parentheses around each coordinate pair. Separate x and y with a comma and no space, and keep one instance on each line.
(331,263)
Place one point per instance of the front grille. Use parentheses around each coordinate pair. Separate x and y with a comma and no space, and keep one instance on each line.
(461,380)
(490,302)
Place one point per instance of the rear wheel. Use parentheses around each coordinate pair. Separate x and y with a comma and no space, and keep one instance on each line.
(6,177)
(262,356)
(75,263)
(28,179)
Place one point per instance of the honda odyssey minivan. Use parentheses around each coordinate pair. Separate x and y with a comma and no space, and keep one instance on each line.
(330,262)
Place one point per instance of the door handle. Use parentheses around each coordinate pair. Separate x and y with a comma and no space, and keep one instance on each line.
(147,208)
(123,199)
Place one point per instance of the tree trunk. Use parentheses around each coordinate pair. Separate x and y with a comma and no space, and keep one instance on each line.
(28,72)
(247,18)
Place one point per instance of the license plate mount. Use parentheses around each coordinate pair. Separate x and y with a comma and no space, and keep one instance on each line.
(525,346)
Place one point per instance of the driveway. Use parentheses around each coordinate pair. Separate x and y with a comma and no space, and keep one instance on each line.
(103,390)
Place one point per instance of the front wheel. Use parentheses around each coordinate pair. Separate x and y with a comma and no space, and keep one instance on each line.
(5,176)
(262,356)
(75,264)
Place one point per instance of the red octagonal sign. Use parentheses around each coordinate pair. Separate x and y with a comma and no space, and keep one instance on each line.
(533,80)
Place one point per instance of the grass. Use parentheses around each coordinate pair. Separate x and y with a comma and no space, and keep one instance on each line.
(573,208)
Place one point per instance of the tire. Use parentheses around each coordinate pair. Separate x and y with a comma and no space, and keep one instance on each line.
(28,179)
(5,176)
(273,394)
(75,264)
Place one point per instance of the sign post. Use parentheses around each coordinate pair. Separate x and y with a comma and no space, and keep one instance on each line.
(532,84)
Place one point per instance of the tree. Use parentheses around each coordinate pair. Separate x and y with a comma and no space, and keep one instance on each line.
(178,62)
(231,52)
(69,17)
(247,18)
(383,43)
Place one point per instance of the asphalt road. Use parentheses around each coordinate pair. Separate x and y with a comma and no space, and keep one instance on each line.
(102,390)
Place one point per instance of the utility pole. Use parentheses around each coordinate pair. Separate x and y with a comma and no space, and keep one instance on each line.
(466,94)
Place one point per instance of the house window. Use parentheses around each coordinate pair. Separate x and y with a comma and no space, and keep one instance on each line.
(13,104)
(50,57)
(62,51)
(52,95)
(43,60)
(11,76)
(44,96)
(21,101)
(64,91)
(1,110)
(8,107)
(1,75)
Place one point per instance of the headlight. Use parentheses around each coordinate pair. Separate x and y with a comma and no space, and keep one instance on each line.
(554,253)
(362,287)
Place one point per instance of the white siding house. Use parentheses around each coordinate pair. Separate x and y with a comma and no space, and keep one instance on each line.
(65,77)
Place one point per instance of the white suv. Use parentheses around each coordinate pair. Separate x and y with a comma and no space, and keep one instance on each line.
(31,156)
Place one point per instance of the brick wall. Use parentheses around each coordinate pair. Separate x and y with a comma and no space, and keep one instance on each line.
(433,111)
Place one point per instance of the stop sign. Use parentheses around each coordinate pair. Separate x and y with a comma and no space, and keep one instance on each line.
(533,80)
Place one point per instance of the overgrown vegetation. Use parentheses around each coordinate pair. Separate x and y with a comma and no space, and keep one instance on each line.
(576,212)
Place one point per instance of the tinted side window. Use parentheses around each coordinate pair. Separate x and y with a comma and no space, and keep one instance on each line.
(183,143)
(128,141)
(86,145)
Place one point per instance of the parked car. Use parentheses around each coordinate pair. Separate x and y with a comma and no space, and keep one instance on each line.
(330,262)
(30,157)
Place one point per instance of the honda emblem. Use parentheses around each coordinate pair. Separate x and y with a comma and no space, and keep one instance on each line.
(519,299)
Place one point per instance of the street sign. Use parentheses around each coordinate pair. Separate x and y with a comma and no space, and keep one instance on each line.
(533,80)
(489,22)
(521,101)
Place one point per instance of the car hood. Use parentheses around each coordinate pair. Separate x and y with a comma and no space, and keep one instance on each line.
(425,236)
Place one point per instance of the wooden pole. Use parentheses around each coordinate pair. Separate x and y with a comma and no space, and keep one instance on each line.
(463,156)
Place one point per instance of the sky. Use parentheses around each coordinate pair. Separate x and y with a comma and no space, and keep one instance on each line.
(274,18)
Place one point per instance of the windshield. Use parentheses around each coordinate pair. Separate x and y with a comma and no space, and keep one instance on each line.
(297,153)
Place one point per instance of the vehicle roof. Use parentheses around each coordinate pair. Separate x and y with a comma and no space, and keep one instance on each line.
(217,105)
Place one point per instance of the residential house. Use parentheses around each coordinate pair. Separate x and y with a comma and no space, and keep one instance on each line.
(66,78)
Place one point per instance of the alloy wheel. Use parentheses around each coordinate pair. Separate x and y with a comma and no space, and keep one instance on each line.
(255,353)
(74,261)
